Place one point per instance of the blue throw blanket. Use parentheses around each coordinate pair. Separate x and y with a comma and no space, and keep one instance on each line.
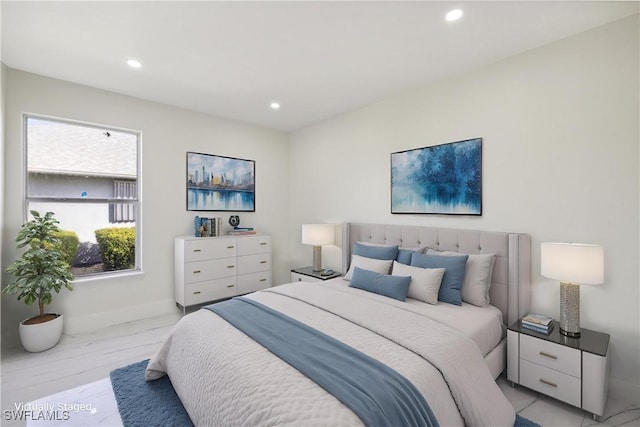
(379,395)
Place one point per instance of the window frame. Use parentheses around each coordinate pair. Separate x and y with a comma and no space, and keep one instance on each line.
(107,201)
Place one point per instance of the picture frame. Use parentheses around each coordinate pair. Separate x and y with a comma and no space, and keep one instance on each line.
(220,183)
(443,179)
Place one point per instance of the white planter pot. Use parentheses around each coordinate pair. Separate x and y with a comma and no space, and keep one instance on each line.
(42,336)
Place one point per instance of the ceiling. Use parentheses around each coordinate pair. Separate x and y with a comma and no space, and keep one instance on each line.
(317,59)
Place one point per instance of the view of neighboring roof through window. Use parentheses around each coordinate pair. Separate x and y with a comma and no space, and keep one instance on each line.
(88,176)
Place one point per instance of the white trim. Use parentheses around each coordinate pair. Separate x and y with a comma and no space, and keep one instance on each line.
(95,321)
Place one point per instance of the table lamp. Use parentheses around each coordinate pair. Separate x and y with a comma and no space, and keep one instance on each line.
(572,264)
(317,235)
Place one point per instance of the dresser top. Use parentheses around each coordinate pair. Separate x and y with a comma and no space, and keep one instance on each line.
(227,236)
(589,341)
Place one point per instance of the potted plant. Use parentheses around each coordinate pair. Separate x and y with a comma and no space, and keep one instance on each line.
(41,269)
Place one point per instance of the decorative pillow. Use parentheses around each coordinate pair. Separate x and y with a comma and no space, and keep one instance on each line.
(454,274)
(395,287)
(404,254)
(376,252)
(477,277)
(382,266)
(425,282)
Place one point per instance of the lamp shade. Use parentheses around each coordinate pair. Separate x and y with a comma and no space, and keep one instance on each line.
(573,262)
(318,234)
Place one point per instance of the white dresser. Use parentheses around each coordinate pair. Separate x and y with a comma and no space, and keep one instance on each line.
(573,370)
(212,268)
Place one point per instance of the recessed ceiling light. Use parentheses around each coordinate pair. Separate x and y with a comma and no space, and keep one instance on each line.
(274,105)
(454,15)
(134,63)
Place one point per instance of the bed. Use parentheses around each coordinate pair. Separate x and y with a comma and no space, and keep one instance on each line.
(449,354)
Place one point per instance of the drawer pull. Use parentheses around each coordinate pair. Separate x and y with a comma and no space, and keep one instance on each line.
(231,266)
(197,250)
(230,247)
(230,286)
(263,280)
(548,383)
(196,272)
(263,243)
(197,292)
(263,262)
(550,356)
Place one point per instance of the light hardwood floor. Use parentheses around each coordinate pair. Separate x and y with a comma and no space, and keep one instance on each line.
(76,371)
(78,360)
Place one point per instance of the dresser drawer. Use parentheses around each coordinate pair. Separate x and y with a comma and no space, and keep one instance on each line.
(208,248)
(550,382)
(560,358)
(209,270)
(254,245)
(254,263)
(254,282)
(201,292)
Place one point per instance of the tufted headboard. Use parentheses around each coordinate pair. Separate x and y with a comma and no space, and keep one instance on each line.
(510,287)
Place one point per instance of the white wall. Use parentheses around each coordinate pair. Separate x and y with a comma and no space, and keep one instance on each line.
(3,86)
(167,134)
(560,162)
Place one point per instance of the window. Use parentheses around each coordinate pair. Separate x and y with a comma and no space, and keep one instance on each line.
(88,176)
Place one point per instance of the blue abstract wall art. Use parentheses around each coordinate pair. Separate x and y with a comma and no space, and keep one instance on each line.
(218,183)
(441,179)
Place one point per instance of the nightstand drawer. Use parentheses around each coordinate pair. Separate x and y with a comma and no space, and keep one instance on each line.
(557,357)
(550,382)
(297,277)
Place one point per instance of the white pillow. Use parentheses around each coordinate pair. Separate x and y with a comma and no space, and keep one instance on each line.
(381,266)
(477,277)
(425,282)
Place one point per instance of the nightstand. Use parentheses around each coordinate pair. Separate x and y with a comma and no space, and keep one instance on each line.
(306,274)
(573,370)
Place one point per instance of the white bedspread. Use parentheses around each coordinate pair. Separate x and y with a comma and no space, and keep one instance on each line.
(225,378)
(482,324)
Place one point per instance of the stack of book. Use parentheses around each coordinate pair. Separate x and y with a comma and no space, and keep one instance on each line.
(537,323)
(242,231)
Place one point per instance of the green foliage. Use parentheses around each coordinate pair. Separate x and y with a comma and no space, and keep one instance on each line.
(68,243)
(118,247)
(42,267)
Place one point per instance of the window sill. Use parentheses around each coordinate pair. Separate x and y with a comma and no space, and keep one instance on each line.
(107,276)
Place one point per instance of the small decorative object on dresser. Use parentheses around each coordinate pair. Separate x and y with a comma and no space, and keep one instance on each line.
(572,264)
(213,268)
(307,274)
(573,370)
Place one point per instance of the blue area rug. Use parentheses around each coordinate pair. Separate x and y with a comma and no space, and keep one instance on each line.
(143,403)
(156,403)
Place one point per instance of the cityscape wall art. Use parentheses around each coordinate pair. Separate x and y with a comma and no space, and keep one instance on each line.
(441,179)
(219,183)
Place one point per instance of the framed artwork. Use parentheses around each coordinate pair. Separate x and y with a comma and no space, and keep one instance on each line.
(218,183)
(441,179)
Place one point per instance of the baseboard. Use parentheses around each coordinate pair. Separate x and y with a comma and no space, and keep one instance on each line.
(624,390)
(92,322)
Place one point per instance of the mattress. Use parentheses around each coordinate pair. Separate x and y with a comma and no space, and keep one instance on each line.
(223,377)
(482,324)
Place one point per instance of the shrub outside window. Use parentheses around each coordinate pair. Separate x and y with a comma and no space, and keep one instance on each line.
(88,175)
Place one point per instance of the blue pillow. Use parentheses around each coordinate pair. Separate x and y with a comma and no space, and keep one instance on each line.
(404,256)
(453,274)
(390,286)
(375,252)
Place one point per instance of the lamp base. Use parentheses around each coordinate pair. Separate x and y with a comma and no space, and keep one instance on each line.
(317,258)
(570,309)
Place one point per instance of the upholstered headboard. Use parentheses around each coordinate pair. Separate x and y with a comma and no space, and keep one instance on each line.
(510,287)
